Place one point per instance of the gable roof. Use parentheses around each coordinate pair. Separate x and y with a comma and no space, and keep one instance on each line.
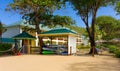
(24,35)
(61,31)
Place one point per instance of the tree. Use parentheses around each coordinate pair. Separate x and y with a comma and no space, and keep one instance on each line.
(87,9)
(2,29)
(107,25)
(117,29)
(79,30)
(38,12)
(117,8)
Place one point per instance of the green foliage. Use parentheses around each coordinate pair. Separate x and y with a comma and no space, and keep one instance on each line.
(117,29)
(85,7)
(56,20)
(104,45)
(26,29)
(117,53)
(4,47)
(87,10)
(98,46)
(82,47)
(40,12)
(80,30)
(112,48)
(47,42)
(117,8)
(107,26)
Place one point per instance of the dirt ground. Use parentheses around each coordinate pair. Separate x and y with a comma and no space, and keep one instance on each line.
(59,63)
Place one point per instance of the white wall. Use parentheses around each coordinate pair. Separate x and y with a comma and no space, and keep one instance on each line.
(72,44)
(11,31)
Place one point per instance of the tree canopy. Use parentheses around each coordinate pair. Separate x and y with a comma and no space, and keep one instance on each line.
(107,25)
(38,12)
(87,10)
(117,8)
(79,30)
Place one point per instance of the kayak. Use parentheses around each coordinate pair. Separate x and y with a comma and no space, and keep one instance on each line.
(47,52)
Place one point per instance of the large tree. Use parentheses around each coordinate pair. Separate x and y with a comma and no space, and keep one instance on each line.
(38,12)
(117,29)
(87,9)
(117,9)
(108,26)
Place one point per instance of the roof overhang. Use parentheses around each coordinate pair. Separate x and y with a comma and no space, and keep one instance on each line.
(60,35)
(20,38)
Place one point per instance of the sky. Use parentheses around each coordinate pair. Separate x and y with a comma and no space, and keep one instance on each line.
(11,17)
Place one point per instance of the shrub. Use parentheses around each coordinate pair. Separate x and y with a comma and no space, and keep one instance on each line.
(104,45)
(83,47)
(4,47)
(78,46)
(98,46)
(117,53)
(112,48)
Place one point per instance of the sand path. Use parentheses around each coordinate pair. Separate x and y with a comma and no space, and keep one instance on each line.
(59,63)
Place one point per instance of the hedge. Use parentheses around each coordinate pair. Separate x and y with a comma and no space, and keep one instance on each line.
(4,47)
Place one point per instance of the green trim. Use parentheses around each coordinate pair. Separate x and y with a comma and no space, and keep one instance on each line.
(24,35)
(59,31)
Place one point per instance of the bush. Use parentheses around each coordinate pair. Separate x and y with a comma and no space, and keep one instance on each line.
(104,45)
(117,53)
(98,46)
(4,47)
(78,46)
(83,47)
(112,48)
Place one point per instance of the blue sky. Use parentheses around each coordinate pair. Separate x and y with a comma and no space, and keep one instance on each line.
(11,17)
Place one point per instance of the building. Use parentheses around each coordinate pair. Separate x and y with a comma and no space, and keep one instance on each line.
(18,27)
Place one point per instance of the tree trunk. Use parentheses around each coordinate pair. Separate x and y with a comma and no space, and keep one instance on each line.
(92,44)
(92,35)
(38,29)
(41,44)
(93,50)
